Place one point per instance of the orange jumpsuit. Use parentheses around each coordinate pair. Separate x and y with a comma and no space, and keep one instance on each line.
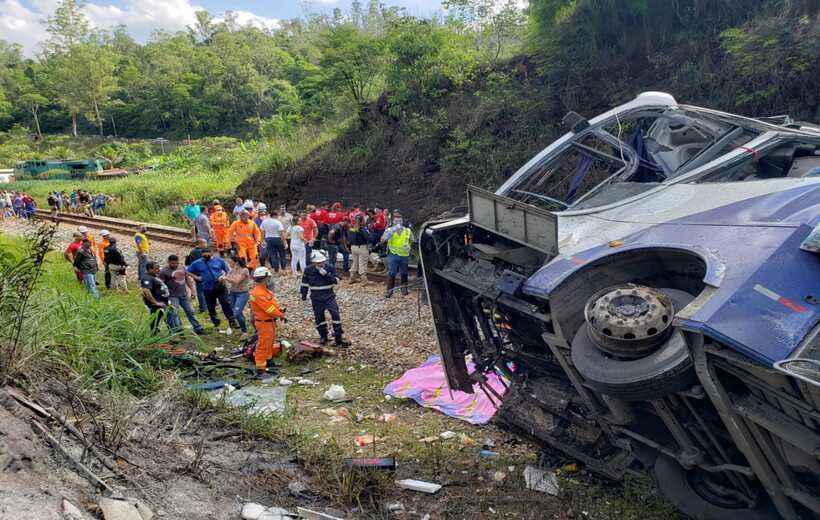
(219,223)
(247,238)
(101,247)
(265,310)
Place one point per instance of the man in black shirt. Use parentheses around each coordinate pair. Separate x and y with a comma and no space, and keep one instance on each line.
(115,264)
(155,296)
(85,262)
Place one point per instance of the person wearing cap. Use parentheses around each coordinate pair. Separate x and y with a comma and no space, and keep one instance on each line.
(115,264)
(399,240)
(143,249)
(87,235)
(101,247)
(246,235)
(318,279)
(219,225)
(265,310)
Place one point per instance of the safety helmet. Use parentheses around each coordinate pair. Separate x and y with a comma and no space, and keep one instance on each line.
(82,229)
(248,204)
(317,257)
(262,206)
(261,272)
(104,233)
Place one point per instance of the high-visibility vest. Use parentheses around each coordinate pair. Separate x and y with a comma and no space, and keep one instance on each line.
(399,242)
(142,245)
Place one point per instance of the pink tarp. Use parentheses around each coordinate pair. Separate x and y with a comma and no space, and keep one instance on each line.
(427,385)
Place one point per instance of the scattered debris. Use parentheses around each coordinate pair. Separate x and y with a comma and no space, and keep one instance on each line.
(213,385)
(306,350)
(487,454)
(499,476)
(388,417)
(419,485)
(335,393)
(541,480)
(394,507)
(309,514)
(432,438)
(465,439)
(364,440)
(386,463)
(447,435)
(567,468)
(306,382)
(284,381)
(488,443)
(258,399)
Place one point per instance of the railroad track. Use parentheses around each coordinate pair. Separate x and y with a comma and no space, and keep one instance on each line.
(172,235)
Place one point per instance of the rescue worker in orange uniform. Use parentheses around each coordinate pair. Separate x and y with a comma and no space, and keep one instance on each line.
(265,312)
(101,247)
(219,223)
(247,237)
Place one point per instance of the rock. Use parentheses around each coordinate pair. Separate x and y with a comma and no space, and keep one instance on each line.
(335,393)
(70,511)
(252,511)
(297,487)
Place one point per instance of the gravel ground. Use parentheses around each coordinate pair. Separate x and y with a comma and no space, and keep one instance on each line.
(393,335)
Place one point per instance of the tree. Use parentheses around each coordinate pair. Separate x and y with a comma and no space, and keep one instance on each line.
(100,62)
(497,26)
(352,61)
(66,27)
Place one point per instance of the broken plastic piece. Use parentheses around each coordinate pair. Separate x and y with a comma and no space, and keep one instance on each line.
(419,485)
(335,393)
(540,480)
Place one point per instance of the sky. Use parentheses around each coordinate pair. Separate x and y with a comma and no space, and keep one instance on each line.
(21,20)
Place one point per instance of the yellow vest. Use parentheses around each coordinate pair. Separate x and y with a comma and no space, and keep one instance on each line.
(400,243)
(143,246)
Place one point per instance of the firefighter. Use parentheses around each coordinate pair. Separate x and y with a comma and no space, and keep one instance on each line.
(319,278)
(245,234)
(219,224)
(265,312)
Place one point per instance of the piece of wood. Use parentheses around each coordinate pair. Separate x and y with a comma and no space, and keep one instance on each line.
(419,485)
(309,514)
(79,466)
(21,398)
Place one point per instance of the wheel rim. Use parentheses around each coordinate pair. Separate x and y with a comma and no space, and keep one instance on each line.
(712,488)
(629,321)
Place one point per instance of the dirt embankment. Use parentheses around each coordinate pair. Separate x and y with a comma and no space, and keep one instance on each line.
(419,158)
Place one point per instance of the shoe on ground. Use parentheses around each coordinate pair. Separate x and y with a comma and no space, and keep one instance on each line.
(342,343)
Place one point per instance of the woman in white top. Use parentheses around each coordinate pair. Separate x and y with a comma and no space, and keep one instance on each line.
(297,248)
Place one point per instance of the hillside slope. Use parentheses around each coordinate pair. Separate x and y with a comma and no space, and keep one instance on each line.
(756,58)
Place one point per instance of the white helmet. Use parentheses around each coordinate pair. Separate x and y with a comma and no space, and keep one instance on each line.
(262,206)
(104,233)
(261,272)
(82,229)
(248,204)
(318,257)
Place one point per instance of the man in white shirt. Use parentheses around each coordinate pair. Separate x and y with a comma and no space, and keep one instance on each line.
(273,232)
(285,218)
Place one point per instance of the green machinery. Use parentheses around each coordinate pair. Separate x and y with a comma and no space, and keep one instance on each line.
(47,169)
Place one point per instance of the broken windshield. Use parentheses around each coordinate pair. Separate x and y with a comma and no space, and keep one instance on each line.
(633,154)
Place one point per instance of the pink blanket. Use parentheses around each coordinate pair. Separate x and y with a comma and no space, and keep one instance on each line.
(427,385)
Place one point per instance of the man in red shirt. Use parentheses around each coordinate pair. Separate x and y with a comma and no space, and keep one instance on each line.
(336,214)
(311,230)
(71,251)
(319,215)
(378,226)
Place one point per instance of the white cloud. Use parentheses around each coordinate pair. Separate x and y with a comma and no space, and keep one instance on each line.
(18,24)
(22,23)
(244,18)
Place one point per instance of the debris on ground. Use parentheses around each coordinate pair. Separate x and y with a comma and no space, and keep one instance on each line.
(70,511)
(427,385)
(263,400)
(541,480)
(284,381)
(487,454)
(298,488)
(388,417)
(365,440)
(447,435)
(305,351)
(419,485)
(309,514)
(499,476)
(306,382)
(335,393)
(386,463)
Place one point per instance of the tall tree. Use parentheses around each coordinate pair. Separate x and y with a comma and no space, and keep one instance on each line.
(67,27)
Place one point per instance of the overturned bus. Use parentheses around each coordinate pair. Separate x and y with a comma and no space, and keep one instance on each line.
(649,285)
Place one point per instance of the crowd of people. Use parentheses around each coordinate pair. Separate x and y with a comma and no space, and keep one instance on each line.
(16,204)
(78,201)
(236,258)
